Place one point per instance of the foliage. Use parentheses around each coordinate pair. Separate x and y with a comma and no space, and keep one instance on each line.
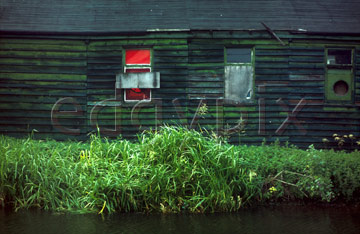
(170,170)
(341,140)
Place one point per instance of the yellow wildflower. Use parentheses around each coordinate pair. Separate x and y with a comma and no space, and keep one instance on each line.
(337,138)
(272,189)
(82,154)
(252,174)
(345,136)
(325,140)
(335,135)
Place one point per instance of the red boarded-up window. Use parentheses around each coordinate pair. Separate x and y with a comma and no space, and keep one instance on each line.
(134,57)
(137,61)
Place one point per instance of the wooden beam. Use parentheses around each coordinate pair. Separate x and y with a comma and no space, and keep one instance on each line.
(272,33)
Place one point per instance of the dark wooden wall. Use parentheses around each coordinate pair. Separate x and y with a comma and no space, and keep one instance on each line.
(35,72)
(34,75)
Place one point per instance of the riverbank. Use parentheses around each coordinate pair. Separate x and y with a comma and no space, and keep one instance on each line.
(169,171)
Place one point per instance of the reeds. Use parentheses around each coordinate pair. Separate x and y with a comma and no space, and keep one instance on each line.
(170,170)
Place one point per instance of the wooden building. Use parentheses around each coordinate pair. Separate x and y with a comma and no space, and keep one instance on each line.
(275,69)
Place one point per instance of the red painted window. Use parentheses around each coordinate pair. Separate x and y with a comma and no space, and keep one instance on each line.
(134,57)
(141,58)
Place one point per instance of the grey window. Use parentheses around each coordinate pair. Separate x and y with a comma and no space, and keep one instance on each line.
(238,55)
(238,74)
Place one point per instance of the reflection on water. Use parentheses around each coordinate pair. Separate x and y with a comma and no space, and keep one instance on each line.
(284,219)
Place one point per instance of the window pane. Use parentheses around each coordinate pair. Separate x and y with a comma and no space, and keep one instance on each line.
(238,82)
(336,56)
(137,94)
(137,70)
(238,55)
(137,57)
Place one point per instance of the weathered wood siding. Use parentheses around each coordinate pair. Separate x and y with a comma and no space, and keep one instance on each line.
(287,78)
(357,74)
(35,72)
(34,75)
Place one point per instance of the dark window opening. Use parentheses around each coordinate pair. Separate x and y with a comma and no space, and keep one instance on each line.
(339,57)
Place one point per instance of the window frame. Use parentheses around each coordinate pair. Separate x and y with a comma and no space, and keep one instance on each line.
(137,66)
(348,67)
(252,64)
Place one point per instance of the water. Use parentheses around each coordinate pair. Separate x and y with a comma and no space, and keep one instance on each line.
(283,219)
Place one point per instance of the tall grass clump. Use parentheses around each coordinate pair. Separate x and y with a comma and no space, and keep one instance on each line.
(170,170)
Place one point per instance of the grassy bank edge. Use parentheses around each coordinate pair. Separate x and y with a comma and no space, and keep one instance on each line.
(170,170)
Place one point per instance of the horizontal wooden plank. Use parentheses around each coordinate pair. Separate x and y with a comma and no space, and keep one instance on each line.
(40,41)
(170,60)
(212,52)
(43,122)
(104,54)
(106,66)
(104,72)
(277,71)
(42,77)
(41,135)
(42,54)
(42,92)
(315,78)
(33,113)
(34,106)
(171,47)
(35,99)
(298,65)
(43,69)
(76,87)
(205,79)
(39,129)
(306,59)
(105,60)
(163,66)
(272,52)
(43,62)
(261,65)
(43,47)
(306,71)
(118,44)
(171,53)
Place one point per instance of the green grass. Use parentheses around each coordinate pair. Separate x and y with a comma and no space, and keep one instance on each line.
(171,170)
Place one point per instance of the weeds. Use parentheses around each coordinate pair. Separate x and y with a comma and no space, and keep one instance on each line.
(170,170)
(341,140)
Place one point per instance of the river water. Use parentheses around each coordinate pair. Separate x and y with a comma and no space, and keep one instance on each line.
(280,219)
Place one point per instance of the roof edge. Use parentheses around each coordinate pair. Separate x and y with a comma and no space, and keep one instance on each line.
(145,32)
